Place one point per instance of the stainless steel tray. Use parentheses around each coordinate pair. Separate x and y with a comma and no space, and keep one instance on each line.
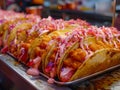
(16,73)
(78,81)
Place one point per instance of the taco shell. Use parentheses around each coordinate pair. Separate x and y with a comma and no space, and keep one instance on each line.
(100,60)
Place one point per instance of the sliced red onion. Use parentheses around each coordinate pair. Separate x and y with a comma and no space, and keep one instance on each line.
(50,64)
(49,67)
(1,21)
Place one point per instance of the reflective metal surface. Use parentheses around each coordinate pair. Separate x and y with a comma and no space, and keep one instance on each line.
(16,73)
(109,78)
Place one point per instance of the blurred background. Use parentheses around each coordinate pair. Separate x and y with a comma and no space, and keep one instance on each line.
(97,12)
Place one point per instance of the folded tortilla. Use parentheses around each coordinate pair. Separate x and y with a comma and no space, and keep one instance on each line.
(99,61)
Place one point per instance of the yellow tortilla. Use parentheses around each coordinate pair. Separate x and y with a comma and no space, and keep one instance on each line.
(100,60)
(23,26)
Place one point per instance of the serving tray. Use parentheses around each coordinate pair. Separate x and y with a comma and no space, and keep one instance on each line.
(78,81)
(16,72)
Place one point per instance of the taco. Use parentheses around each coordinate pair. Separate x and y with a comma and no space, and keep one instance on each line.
(93,54)
(56,52)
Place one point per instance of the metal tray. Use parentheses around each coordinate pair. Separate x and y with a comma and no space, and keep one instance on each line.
(78,81)
(22,81)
